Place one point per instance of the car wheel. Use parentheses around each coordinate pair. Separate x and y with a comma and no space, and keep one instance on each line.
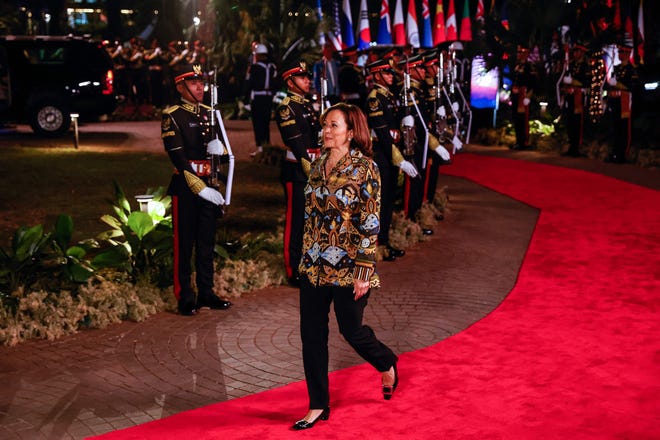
(50,118)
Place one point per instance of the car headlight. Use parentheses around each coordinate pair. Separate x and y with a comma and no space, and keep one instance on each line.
(651,85)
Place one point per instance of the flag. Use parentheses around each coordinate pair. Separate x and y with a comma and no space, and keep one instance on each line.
(335,35)
(481,12)
(365,33)
(617,15)
(452,35)
(384,27)
(411,24)
(466,24)
(348,39)
(504,15)
(399,31)
(640,32)
(427,37)
(439,26)
(319,11)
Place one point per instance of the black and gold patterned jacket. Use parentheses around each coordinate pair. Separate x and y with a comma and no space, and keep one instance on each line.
(341,222)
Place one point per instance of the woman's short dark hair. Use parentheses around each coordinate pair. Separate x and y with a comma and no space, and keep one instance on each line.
(356,121)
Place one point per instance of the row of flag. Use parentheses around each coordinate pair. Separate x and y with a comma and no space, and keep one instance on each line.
(399,32)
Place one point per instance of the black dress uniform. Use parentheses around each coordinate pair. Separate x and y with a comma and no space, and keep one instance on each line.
(299,127)
(185,131)
(619,104)
(261,81)
(521,88)
(413,192)
(351,80)
(573,98)
(381,113)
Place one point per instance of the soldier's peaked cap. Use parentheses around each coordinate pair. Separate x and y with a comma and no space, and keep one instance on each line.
(295,68)
(381,65)
(189,72)
(413,61)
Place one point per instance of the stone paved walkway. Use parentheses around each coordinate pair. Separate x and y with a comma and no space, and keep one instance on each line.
(101,380)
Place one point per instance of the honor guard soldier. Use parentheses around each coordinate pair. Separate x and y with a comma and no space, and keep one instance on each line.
(300,129)
(381,113)
(436,126)
(522,88)
(186,131)
(619,102)
(352,84)
(414,117)
(574,83)
(260,86)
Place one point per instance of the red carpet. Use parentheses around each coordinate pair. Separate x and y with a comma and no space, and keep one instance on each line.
(573,351)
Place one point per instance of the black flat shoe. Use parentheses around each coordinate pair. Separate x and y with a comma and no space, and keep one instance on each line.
(213,303)
(304,424)
(388,390)
(187,308)
(427,231)
(396,252)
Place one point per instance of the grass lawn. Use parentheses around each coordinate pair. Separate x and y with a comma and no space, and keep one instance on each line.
(41,183)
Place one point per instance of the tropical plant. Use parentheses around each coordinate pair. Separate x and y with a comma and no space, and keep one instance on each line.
(71,259)
(20,265)
(141,242)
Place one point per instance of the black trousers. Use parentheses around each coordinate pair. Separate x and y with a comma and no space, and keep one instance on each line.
(389,176)
(194,223)
(520,122)
(294,223)
(622,130)
(432,172)
(314,312)
(261,111)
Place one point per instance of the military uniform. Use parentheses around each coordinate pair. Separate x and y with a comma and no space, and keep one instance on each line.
(351,80)
(260,85)
(619,104)
(185,130)
(415,106)
(521,89)
(299,127)
(382,116)
(576,81)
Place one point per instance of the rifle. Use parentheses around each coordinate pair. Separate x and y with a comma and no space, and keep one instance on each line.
(324,87)
(217,160)
(409,139)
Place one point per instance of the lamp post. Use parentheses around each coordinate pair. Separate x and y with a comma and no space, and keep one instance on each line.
(143,200)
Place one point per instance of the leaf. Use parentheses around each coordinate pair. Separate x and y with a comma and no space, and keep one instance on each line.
(76,252)
(80,273)
(63,230)
(140,223)
(111,221)
(112,257)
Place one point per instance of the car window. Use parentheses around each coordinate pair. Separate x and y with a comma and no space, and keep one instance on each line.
(45,55)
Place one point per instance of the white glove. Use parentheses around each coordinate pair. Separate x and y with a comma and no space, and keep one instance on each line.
(457,143)
(442,152)
(408,121)
(568,79)
(212,196)
(409,169)
(215,147)
(455,106)
(612,81)
(247,107)
(525,102)
(441,111)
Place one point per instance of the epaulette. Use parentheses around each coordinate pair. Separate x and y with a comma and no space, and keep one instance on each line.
(372,93)
(170,109)
(205,107)
(285,101)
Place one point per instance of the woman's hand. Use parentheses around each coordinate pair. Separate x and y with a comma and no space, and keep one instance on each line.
(360,288)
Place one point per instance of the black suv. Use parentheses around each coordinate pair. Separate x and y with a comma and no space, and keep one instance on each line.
(43,80)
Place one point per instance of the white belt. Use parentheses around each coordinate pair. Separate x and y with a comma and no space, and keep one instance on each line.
(313,153)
